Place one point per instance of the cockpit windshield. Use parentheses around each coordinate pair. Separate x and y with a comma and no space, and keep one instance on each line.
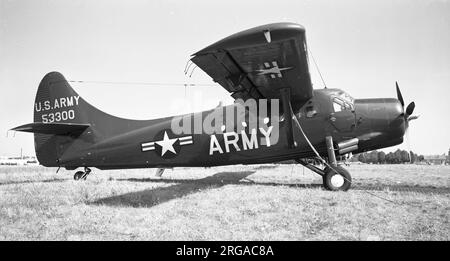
(346,97)
(343,101)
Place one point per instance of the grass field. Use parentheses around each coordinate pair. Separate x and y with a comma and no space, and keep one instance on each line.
(261,202)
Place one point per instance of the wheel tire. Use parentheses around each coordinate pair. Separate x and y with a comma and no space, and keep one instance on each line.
(78,175)
(337,183)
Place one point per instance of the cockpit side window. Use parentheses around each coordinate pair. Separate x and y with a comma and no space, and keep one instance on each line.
(337,105)
(340,105)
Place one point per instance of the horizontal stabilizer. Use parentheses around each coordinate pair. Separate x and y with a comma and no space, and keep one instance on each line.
(53,128)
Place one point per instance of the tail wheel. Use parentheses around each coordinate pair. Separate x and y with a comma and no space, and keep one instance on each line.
(336,179)
(78,175)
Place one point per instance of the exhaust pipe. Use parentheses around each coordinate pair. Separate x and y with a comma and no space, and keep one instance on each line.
(348,146)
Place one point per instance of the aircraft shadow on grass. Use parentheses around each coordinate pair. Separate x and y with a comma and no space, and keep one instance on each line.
(243,181)
(184,187)
(155,196)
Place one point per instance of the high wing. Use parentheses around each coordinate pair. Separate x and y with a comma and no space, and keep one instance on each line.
(258,62)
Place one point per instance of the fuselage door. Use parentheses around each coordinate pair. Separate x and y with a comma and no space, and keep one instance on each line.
(342,116)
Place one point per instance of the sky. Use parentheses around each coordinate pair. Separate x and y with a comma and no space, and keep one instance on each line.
(362,47)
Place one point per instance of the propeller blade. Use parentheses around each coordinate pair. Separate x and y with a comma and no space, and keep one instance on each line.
(399,95)
(413,117)
(410,108)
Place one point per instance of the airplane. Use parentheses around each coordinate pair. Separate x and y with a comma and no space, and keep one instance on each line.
(268,62)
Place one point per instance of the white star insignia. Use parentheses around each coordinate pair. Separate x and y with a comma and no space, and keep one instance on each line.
(166,144)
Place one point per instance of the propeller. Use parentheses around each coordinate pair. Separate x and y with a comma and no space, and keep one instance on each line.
(407,114)
(409,109)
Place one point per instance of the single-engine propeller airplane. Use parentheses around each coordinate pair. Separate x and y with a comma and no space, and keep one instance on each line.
(268,62)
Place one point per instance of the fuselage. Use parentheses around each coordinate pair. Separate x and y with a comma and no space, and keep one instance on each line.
(363,124)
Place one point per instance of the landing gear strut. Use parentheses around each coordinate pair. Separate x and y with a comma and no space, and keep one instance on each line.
(82,174)
(335,178)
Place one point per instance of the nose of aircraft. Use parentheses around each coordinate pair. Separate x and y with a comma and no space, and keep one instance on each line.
(380,116)
(396,118)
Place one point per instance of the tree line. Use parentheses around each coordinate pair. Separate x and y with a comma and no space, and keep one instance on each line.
(379,157)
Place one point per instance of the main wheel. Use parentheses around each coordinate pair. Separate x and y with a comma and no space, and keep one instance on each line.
(336,181)
(78,175)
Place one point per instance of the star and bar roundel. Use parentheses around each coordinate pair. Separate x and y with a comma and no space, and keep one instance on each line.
(166,144)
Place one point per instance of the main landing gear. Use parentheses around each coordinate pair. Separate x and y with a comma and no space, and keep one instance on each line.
(335,178)
(82,174)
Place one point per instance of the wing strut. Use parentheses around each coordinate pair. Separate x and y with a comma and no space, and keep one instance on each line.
(289,116)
